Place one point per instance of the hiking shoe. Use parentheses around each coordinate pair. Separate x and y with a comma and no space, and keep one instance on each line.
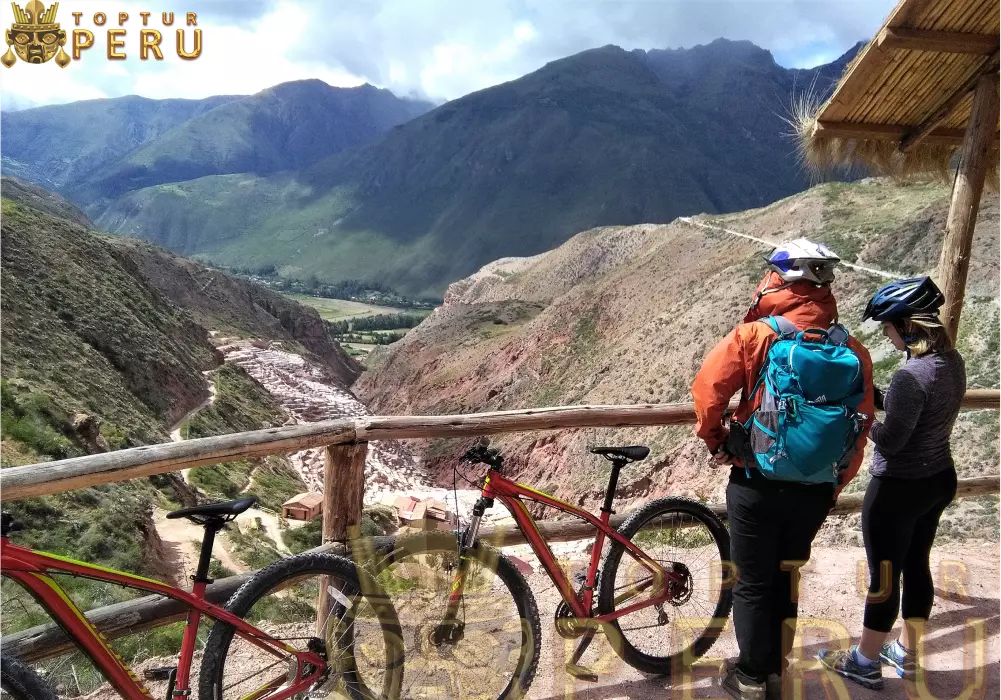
(739,686)
(844,664)
(905,662)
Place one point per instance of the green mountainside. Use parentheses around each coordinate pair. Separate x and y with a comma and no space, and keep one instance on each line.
(105,341)
(603,137)
(60,145)
(96,150)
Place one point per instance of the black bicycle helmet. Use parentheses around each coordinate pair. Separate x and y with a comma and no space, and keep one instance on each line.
(903,298)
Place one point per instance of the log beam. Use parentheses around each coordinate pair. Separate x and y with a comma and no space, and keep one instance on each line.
(884,132)
(122,465)
(975,159)
(942,111)
(114,621)
(901,38)
(121,619)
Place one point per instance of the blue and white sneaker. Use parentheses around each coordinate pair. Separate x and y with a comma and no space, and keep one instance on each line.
(904,661)
(845,664)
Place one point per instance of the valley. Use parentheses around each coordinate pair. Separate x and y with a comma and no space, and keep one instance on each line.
(338,184)
(586,251)
(617,314)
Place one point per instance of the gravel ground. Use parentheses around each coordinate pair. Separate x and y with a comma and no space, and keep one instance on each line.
(831,596)
(832,602)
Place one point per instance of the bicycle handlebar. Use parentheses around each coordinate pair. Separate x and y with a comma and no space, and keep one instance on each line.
(482,453)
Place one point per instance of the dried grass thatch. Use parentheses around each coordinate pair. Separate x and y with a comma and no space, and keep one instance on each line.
(825,154)
(898,82)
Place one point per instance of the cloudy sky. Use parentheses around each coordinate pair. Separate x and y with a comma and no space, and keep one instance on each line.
(438,49)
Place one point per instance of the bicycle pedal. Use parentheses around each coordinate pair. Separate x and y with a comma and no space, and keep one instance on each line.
(582,673)
(159,674)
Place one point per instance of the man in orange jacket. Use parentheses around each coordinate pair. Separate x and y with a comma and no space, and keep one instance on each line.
(772,523)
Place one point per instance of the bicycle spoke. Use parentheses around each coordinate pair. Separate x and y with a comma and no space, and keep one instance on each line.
(257,673)
(688,552)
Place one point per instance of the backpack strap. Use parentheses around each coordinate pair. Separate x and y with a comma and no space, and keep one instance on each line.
(785,329)
(781,325)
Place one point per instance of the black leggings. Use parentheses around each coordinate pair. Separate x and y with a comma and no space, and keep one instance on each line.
(899,521)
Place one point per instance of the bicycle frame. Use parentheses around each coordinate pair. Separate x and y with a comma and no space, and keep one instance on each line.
(510,493)
(31,569)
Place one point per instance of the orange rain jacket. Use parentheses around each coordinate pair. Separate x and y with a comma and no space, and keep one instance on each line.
(736,361)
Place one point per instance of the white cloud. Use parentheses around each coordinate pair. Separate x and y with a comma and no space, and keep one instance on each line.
(438,48)
(237,58)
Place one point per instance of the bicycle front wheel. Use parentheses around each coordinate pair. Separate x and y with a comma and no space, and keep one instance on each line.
(19,681)
(490,649)
(359,636)
(685,538)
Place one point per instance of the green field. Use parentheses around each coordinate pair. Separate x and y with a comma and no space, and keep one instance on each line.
(342,309)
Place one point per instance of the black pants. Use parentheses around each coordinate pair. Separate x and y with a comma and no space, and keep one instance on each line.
(899,521)
(772,526)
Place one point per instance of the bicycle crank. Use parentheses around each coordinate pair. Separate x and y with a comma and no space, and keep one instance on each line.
(567,624)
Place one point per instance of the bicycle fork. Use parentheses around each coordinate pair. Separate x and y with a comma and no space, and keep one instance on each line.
(451,629)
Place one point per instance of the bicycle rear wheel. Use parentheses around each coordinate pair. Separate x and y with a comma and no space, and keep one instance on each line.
(495,651)
(687,538)
(360,636)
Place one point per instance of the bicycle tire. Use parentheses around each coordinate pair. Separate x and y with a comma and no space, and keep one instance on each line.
(217,646)
(21,682)
(445,543)
(649,663)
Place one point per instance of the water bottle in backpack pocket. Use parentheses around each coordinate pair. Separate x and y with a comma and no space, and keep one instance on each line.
(807,423)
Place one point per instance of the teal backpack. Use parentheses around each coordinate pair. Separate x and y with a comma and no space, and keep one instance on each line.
(807,424)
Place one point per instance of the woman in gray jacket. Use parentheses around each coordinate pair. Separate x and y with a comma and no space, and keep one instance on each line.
(913,480)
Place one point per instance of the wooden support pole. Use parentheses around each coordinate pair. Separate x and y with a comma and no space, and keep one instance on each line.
(343,491)
(981,135)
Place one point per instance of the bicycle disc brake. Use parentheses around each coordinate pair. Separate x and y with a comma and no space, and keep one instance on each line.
(448,632)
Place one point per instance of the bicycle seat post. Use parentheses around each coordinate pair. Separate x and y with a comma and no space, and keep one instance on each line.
(212,526)
(613,480)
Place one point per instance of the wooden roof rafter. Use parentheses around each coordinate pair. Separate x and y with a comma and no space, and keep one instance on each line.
(903,104)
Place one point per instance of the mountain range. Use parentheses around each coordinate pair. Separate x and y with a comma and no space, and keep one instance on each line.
(358,184)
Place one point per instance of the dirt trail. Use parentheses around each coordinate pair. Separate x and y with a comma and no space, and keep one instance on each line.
(175,430)
(270,522)
(183,538)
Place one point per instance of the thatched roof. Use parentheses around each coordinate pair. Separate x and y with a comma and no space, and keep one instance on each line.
(902,105)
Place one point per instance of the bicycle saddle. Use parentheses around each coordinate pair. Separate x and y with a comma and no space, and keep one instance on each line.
(631,453)
(224,512)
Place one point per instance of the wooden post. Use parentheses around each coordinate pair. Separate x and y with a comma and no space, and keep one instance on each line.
(954,264)
(343,491)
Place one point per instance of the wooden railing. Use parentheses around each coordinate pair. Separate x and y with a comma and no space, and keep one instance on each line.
(346,446)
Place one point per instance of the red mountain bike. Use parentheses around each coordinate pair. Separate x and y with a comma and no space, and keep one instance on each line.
(266,643)
(470,622)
